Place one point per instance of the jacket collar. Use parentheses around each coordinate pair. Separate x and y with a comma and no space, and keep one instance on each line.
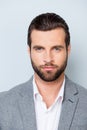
(69,105)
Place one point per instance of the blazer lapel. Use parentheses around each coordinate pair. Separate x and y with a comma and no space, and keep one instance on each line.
(69,106)
(27,108)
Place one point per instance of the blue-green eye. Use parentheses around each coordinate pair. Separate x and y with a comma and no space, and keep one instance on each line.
(57,49)
(39,48)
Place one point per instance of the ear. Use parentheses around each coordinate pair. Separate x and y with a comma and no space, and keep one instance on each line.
(69,49)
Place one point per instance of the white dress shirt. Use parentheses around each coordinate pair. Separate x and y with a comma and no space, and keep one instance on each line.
(47,118)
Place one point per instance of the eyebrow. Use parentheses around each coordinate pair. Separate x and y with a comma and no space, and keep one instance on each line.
(58,46)
(36,46)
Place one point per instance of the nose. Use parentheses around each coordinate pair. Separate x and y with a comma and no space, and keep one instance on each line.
(48,56)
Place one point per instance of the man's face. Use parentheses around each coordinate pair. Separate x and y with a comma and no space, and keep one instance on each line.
(48,53)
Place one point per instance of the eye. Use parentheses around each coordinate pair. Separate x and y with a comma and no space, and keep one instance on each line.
(39,49)
(57,48)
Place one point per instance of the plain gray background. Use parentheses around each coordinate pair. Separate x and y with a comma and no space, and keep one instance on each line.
(15,17)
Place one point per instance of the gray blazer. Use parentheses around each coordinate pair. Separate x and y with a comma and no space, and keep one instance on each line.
(17,111)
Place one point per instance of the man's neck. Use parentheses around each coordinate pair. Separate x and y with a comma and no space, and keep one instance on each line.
(49,90)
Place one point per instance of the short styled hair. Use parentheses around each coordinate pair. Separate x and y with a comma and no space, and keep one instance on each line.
(46,22)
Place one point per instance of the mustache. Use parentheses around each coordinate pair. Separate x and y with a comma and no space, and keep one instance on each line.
(48,64)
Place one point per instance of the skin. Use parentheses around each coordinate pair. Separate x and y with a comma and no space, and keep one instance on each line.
(49,53)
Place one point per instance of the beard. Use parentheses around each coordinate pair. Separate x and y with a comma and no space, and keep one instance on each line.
(48,75)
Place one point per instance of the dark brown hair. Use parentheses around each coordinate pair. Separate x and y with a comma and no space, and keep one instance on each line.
(48,21)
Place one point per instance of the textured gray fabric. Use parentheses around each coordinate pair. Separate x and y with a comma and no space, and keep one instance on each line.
(17,111)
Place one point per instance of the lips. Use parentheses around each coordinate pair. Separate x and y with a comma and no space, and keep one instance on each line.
(48,68)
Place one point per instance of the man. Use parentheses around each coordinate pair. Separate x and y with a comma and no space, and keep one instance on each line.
(49,100)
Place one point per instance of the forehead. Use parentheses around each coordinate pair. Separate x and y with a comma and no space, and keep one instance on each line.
(51,36)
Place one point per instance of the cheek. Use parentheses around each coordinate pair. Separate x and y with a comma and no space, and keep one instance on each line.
(60,58)
(37,58)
